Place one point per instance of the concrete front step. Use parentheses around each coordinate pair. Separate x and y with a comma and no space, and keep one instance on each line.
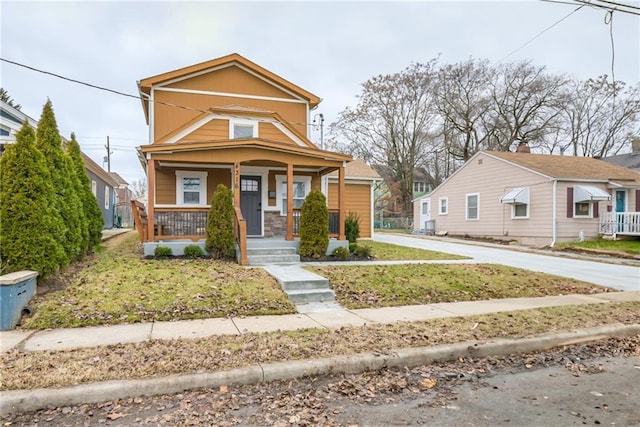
(304,285)
(272,251)
(311,295)
(273,259)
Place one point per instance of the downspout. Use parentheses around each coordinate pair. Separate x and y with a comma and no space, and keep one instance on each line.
(554,225)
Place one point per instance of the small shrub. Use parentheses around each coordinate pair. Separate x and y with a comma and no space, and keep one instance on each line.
(314,226)
(193,251)
(352,227)
(341,253)
(353,247)
(363,251)
(162,251)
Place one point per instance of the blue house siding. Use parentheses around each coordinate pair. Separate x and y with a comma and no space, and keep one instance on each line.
(107,213)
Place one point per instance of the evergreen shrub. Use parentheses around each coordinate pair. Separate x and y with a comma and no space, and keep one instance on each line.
(162,251)
(341,253)
(314,226)
(352,227)
(220,240)
(363,251)
(193,251)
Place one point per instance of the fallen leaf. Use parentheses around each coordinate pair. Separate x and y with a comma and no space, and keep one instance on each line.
(429,383)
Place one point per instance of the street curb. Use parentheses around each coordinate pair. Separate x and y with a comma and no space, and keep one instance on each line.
(32,400)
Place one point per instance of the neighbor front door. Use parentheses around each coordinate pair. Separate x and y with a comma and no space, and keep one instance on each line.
(250,203)
(425,212)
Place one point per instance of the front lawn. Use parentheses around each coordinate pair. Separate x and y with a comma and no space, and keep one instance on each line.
(386,251)
(371,286)
(117,285)
(629,247)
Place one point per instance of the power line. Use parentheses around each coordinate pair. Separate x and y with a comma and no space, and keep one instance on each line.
(603,4)
(128,95)
(542,32)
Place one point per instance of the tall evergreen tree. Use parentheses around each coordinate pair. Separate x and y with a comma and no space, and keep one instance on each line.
(66,200)
(29,223)
(91,214)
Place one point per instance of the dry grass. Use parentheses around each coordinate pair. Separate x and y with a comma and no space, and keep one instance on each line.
(388,251)
(159,358)
(117,285)
(372,286)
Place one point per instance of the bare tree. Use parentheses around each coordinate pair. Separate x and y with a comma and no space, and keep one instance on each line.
(600,117)
(526,105)
(391,125)
(139,187)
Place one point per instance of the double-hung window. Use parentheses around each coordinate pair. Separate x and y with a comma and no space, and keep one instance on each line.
(301,187)
(443,205)
(107,195)
(191,188)
(473,207)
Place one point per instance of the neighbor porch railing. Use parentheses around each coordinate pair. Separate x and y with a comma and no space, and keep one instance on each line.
(624,223)
(334,222)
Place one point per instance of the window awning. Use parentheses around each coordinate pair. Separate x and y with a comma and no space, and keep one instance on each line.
(587,193)
(517,195)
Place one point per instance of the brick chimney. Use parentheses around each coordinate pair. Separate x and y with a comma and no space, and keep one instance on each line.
(523,147)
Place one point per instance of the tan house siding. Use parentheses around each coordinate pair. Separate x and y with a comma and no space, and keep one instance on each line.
(232,80)
(166,183)
(168,118)
(359,200)
(270,132)
(569,228)
(215,129)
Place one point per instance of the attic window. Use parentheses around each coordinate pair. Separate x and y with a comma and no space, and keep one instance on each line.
(242,129)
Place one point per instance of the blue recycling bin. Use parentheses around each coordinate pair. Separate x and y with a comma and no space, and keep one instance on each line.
(16,290)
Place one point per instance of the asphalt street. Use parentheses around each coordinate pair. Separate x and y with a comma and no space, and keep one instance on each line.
(621,277)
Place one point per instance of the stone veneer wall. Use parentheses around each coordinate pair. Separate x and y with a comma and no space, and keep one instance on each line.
(275,225)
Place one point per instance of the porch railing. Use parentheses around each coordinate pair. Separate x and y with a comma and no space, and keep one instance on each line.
(240,232)
(334,222)
(627,223)
(186,223)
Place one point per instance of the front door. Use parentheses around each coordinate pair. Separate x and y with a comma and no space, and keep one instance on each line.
(251,203)
(425,212)
(620,200)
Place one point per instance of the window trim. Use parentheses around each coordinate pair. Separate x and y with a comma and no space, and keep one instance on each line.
(281,181)
(180,175)
(107,196)
(575,211)
(94,188)
(466,207)
(513,211)
(235,122)
(446,206)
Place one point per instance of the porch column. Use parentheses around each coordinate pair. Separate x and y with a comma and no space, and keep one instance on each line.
(236,185)
(289,235)
(151,199)
(341,214)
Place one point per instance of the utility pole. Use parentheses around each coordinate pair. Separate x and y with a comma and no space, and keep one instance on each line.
(321,128)
(108,158)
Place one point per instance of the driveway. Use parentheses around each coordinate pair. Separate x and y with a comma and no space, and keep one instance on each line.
(621,277)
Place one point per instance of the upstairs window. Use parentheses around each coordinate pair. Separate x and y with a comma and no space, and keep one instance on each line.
(242,129)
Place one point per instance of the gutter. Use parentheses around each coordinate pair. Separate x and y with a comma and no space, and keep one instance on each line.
(554,225)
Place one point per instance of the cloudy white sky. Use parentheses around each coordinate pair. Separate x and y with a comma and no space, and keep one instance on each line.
(328,48)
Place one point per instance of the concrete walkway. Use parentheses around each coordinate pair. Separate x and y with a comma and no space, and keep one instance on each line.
(621,277)
(63,339)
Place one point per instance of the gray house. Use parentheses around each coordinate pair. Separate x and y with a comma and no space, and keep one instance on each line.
(103,185)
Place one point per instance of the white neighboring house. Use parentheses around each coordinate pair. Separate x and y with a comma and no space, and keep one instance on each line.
(535,199)
(102,184)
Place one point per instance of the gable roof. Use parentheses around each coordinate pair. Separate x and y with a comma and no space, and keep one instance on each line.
(358,169)
(568,168)
(144,85)
(631,160)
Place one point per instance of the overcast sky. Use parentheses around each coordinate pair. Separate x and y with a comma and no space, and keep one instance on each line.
(328,48)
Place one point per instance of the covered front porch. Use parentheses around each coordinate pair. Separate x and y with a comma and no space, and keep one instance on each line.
(269,181)
(620,224)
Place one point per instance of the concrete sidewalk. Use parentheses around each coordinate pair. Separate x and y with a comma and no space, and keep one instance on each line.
(62,339)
